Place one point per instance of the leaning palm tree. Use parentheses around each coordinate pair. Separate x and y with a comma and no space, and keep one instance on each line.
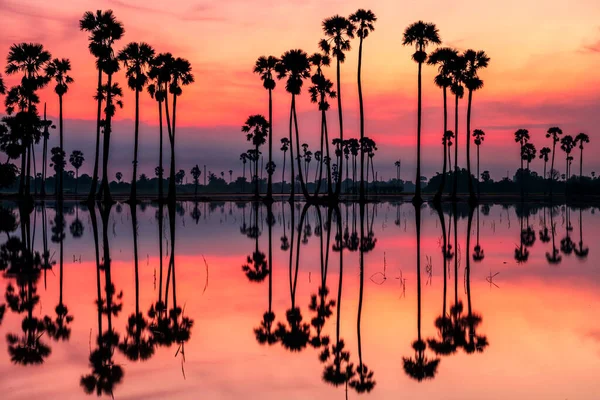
(58,69)
(420,34)
(180,71)
(474,61)
(479,136)
(256,129)
(265,67)
(443,58)
(294,66)
(137,60)
(458,90)
(521,137)
(76,159)
(338,32)
(364,20)
(553,133)
(581,138)
(29,59)
(104,30)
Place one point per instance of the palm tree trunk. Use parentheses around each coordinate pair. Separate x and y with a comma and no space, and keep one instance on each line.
(329,178)
(76,179)
(270,179)
(580,162)
(105,153)
(60,124)
(172,189)
(338,186)
(97,154)
(160,153)
(362,119)
(256,181)
(455,187)
(552,167)
(417,198)
(438,195)
(282,173)
(478,189)
(293,178)
(133,196)
(302,184)
(471,190)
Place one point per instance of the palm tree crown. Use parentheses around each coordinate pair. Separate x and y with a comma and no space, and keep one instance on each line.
(338,30)
(421,34)
(296,67)
(59,70)
(265,66)
(256,129)
(544,153)
(137,59)
(364,19)
(443,57)
(582,138)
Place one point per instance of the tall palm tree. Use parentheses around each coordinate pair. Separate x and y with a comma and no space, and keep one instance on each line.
(180,71)
(29,59)
(544,155)
(420,34)
(265,67)
(567,144)
(137,60)
(46,125)
(581,138)
(363,20)
(338,32)
(294,66)
(104,30)
(474,61)
(76,159)
(458,77)
(320,90)
(443,57)
(553,133)
(256,129)
(479,136)
(58,69)
(528,152)
(285,146)
(522,137)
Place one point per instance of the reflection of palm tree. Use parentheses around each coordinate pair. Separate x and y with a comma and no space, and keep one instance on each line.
(554,257)
(566,244)
(544,235)
(581,251)
(478,254)
(420,367)
(256,267)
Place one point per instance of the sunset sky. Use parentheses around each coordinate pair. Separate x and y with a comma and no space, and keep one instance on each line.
(543,72)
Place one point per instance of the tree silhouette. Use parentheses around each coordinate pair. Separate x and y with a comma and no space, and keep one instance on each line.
(554,257)
(581,251)
(458,67)
(581,138)
(544,155)
(479,136)
(420,34)
(76,159)
(474,61)
(256,130)
(196,172)
(522,137)
(567,144)
(553,133)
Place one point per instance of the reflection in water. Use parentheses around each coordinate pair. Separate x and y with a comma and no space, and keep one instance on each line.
(319,262)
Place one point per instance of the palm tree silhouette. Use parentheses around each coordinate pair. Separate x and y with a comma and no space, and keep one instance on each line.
(294,66)
(443,58)
(567,144)
(458,67)
(104,30)
(29,59)
(178,72)
(58,69)
(544,152)
(478,253)
(46,125)
(2,87)
(581,138)
(256,130)
(554,257)
(479,136)
(76,159)
(581,251)
(420,34)
(448,136)
(364,24)
(265,67)
(338,31)
(420,367)
(474,61)
(528,152)
(319,92)
(553,133)
(137,60)
(522,137)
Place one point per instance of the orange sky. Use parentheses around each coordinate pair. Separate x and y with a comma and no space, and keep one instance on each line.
(543,72)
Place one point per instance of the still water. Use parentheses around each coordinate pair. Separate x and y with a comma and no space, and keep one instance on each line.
(235,300)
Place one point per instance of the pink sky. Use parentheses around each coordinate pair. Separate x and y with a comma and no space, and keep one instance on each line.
(543,72)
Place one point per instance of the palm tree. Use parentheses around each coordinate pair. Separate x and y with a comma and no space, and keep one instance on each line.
(180,72)
(256,130)
(104,30)
(420,34)
(581,138)
(521,137)
(244,159)
(119,176)
(137,60)
(319,92)
(196,172)
(528,152)
(294,66)
(76,159)
(457,66)
(29,59)
(567,144)
(58,69)
(265,66)
(285,145)
(46,124)
(2,87)
(363,20)
(474,60)
(581,251)
(544,152)
(448,136)
(443,58)
(338,32)
(553,133)
(479,136)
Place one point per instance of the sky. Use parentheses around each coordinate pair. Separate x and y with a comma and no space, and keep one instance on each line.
(543,72)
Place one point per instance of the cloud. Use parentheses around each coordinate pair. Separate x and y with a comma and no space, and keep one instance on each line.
(592,48)
(195,13)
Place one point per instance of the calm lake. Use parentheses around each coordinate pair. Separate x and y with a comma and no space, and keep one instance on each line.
(236,300)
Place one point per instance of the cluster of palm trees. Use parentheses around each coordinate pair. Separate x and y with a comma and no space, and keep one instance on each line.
(568,143)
